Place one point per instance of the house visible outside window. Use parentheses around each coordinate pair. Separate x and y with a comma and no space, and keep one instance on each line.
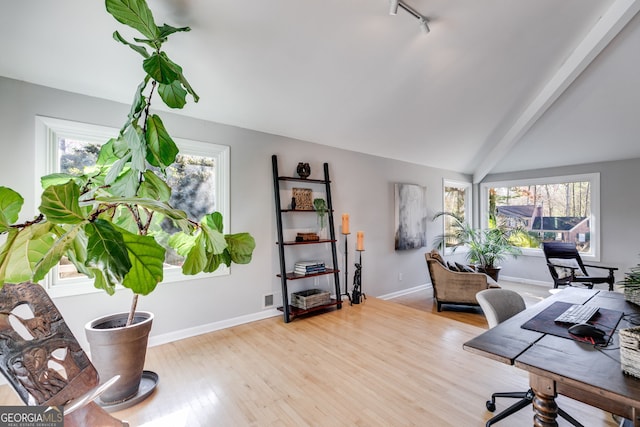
(198,179)
(457,200)
(565,208)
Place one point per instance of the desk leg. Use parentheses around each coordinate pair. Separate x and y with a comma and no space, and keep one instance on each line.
(545,409)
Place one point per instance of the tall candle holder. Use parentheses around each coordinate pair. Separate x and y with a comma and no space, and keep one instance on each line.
(346,267)
(357,295)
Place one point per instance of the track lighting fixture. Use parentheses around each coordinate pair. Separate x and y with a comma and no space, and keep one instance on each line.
(393,7)
(424,26)
(393,10)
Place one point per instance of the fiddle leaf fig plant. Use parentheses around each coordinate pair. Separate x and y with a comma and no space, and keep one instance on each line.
(105,220)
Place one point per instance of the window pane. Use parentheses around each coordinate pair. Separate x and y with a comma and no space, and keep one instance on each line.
(193,184)
(544,212)
(75,155)
(455,202)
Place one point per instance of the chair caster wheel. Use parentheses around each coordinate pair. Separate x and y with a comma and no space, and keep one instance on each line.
(491,406)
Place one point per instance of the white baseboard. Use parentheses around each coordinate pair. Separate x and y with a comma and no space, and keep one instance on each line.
(210,327)
(404,292)
(527,281)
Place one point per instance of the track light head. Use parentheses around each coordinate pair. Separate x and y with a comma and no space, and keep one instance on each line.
(424,26)
(393,7)
(393,10)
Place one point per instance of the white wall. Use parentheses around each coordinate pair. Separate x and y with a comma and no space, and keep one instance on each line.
(362,186)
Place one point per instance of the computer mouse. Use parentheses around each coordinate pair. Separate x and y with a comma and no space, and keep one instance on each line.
(586,330)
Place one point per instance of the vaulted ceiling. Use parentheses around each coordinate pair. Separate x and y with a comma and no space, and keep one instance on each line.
(496,86)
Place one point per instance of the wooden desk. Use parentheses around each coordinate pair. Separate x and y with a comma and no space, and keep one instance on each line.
(562,366)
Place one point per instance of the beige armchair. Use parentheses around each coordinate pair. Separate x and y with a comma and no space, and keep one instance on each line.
(453,287)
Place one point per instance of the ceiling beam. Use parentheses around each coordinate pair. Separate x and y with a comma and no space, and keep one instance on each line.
(609,25)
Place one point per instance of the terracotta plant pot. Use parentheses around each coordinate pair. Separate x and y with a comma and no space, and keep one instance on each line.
(117,349)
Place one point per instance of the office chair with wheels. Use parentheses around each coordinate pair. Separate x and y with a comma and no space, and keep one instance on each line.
(566,266)
(499,305)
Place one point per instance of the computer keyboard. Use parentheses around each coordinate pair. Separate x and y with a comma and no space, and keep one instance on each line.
(577,313)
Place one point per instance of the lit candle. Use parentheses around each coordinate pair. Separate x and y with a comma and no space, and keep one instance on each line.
(345,223)
(360,241)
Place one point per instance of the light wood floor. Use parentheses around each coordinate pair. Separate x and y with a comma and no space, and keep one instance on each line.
(375,364)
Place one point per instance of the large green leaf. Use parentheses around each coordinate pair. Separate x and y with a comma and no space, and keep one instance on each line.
(116,169)
(106,156)
(214,261)
(147,258)
(182,243)
(120,145)
(240,246)
(167,30)
(136,14)
(188,87)
(140,49)
(161,150)
(77,253)
(56,179)
(138,103)
(215,241)
(106,251)
(100,280)
(24,250)
(161,68)
(59,204)
(133,136)
(173,94)
(126,185)
(196,259)
(10,204)
(153,187)
(213,221)
(58,248)
(5,253)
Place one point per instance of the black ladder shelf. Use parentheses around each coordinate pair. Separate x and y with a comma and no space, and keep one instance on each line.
(290,312)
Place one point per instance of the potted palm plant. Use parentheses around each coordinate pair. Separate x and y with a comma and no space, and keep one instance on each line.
(485,247)
(104,220)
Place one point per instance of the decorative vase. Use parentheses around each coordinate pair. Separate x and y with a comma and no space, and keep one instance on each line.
(117,349)
(304,170)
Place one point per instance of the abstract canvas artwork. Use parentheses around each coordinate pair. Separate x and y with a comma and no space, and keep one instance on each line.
(411,216)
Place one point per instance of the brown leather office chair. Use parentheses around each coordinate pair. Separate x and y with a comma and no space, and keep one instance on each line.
(43,361)
(499,305)
(566,266)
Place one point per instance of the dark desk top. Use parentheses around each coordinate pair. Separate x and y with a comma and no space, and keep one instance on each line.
(580,370)
(508,340)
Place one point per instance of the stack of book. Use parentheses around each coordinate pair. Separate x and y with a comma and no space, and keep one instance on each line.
(307,237)
(309,267)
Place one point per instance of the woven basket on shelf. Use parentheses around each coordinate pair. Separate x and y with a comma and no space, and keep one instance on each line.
(630,351)
(632,295)
(310,298)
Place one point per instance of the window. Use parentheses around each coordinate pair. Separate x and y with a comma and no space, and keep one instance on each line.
(198,178)
(565,208)
(456,200)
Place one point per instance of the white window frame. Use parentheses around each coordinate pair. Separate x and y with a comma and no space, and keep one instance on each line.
(594,221)
(468,207)
(50,130)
